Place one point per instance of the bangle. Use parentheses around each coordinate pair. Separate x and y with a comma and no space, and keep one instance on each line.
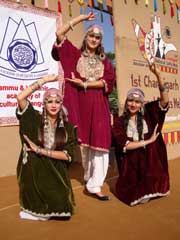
(143,144)
(38,150)
(85,86)
(71,25)
(36,85)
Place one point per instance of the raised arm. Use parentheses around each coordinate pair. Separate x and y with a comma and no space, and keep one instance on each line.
(62,30)
(163,87)
(22,96)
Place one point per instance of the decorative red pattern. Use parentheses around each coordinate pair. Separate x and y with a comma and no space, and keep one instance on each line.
(165,136)
(173,140)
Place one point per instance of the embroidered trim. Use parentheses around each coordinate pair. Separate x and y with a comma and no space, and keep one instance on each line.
(95,148)
(132,131)
(49,133)
(124,148)
(162,108)
(67,155)
(25,154)
(53,214)
(91,70)
(105,85)
(151,195)
(19,112)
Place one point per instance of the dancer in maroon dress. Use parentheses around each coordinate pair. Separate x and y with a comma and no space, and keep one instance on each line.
(143,171)
(89,78)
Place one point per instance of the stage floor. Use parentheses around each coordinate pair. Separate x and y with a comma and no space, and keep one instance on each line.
(93,219)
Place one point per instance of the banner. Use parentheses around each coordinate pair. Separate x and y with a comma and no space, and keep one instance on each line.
(146,36)
(26,39)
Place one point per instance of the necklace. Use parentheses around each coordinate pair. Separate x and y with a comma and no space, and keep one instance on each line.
(92,61)
(93,68)
(90,68)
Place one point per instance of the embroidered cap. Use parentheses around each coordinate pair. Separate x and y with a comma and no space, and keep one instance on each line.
(136,93)
(52,92)
(95,29)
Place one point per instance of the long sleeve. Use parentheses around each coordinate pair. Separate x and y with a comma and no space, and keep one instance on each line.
(109,76)
(119,133)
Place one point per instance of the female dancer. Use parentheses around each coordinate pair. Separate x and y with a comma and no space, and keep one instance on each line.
(48,142)
(143,171)
(89,79)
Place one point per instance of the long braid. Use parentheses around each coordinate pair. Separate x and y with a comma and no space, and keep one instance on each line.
(140,125)
(61,132)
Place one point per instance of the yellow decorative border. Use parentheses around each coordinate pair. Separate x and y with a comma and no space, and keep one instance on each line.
(171,125)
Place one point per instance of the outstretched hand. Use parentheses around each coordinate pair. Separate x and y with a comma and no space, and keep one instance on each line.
(32,146)
(90,16)
(78,82)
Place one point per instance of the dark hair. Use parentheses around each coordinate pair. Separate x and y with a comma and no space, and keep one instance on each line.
(60,133)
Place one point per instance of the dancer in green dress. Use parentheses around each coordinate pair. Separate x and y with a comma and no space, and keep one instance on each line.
(48,143)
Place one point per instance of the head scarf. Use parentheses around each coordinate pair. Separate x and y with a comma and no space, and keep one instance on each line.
(136,93)
(52,92)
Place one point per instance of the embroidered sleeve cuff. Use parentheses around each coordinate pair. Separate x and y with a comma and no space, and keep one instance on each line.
(105,85)
(124,148)
(68,156)
(19,112)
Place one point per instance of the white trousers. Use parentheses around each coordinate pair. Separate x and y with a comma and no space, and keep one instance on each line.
(95,164)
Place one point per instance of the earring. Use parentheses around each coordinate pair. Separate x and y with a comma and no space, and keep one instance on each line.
(61,123)
(45,119)
(141,110)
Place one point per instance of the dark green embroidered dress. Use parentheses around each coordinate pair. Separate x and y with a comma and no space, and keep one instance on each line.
(44,185)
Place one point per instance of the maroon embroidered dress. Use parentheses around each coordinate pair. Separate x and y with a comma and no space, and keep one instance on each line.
(94,127)
(143,172)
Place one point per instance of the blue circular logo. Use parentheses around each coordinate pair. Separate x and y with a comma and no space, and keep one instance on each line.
(22,55)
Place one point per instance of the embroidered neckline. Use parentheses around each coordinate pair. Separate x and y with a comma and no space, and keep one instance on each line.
(49,135)
(132,131)
(90,68)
